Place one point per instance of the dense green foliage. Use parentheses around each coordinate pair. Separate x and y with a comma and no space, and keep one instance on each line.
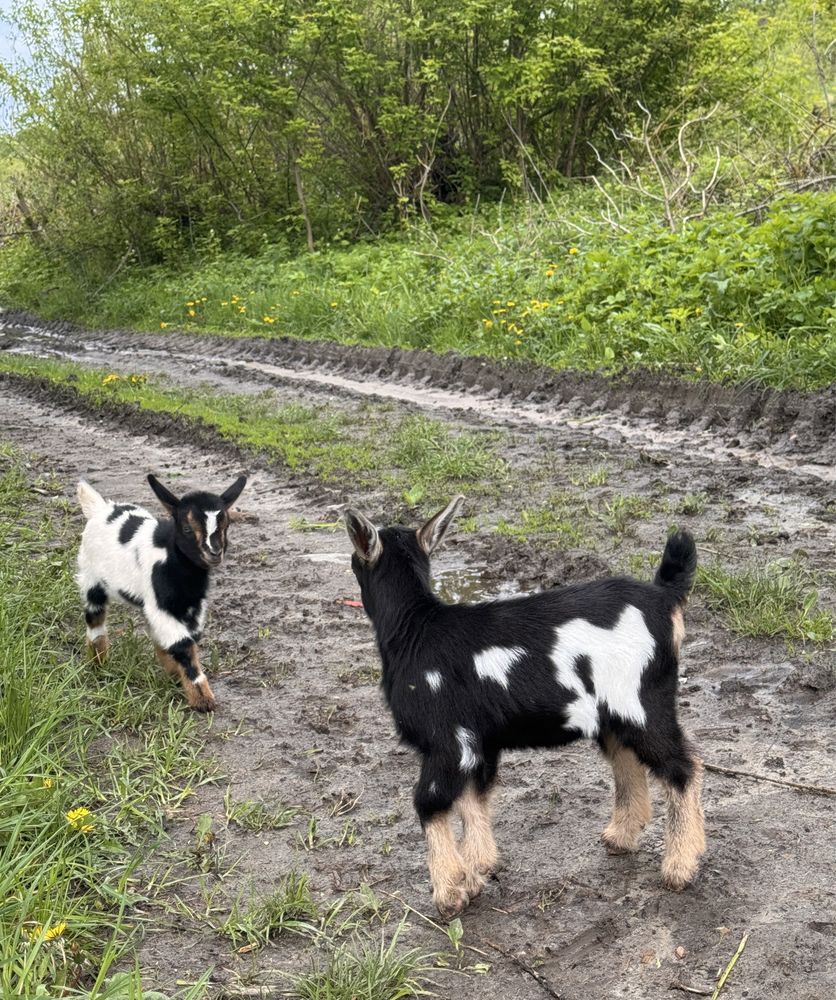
(723,298)
(438,161)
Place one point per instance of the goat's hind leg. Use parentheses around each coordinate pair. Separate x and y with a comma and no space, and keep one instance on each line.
(95,615)
(672,760)
(632,810)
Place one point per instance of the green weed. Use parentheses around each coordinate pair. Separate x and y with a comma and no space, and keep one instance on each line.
(257,816)
(289,908)
(775,601)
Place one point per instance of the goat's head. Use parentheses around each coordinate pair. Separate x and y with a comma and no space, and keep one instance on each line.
(390,553)
(200,520)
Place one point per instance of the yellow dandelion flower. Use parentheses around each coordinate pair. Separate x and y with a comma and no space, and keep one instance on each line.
(334,305)
(192,312)
(573,250)
(738,326)
(518,342)
(112,377)
(224,303)
(48,782)
(294,293)
(496,302)
(268,319)
(487,323)
(203,299)
(550,273)
(510,303)
(235,299)
(77,818)
(163,326)
(56,931)
(190,303)
(242,309)
(560,302)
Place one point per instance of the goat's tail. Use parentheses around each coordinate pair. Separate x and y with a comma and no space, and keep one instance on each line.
(678,566)
(91,501)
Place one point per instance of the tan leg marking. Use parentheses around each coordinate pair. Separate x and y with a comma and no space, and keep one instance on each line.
(632,810)
(199,696)
(97,648)
(684,833)
(678,620)
(478,848)
(447,870)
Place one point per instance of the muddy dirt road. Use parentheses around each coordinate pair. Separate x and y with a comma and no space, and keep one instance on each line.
(300,717)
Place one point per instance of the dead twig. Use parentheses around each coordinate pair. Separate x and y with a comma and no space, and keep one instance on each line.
(699,990)
(529,970)
(735,773)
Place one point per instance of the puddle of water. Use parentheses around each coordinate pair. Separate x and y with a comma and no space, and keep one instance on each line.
(338,558)
(466,586)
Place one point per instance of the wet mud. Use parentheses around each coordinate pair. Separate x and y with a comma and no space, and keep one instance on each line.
(301,720)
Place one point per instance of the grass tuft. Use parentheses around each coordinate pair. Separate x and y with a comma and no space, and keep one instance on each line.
(775,601)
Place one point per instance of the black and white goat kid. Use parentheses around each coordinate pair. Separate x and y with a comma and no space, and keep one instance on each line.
(161,566)
(467,681)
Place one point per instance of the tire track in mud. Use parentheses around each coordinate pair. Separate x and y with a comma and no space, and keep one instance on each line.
(786,430)
(300,720)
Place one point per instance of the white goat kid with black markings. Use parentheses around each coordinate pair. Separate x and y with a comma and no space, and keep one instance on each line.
(160,566)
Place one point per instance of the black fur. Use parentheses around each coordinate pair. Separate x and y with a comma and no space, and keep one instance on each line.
(119,510)
(678,566)
(129,527)
(131,598)
(416,633)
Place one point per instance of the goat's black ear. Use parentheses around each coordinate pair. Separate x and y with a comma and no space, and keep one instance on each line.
(166,497)
(363,535)
(231,494)
(435,529)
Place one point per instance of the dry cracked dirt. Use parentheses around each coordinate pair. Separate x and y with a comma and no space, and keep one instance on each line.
(301,720)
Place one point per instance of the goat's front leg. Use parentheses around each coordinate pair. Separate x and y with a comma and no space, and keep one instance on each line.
(478,848)
(438,788)
(180,659)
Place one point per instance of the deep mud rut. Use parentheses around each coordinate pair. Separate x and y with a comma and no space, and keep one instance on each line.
(301,720)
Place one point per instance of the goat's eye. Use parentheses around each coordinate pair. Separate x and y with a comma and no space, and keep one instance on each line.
(188,530)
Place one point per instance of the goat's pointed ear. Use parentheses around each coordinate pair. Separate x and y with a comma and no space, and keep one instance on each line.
(436,528)
(166,497)
(363,535)
(231,494)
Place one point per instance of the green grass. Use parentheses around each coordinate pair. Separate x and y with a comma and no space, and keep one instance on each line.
(724,298)
(778,600)
(420,458)
(90,762)
(290,907)
(373,971)
(256,816)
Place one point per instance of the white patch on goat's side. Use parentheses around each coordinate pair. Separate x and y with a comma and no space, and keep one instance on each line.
(495,664)
(200,678)
(96,633)
(617,657)
(469,760)
(434,679)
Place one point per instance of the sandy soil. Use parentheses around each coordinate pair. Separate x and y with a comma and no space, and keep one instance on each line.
(301,719)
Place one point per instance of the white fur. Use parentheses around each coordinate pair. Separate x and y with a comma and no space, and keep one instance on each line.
(469,761)
(434,679)
(495,663)
(103,559)
(96,633)
(618,657)
(211,528)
